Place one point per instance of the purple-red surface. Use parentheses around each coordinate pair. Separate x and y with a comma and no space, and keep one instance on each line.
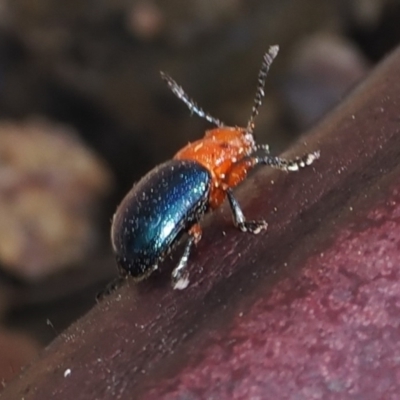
(308,310)
(330,332)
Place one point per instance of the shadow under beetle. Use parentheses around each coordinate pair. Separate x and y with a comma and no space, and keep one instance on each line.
(173,197)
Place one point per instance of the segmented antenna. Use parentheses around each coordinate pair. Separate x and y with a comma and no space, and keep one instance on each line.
(268,58)
(192,105)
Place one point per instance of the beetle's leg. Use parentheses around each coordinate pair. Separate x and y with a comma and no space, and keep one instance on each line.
(286,165)
(263,147)
(239,219)
(180,274)
(240,170)
(237,174)
(111,287)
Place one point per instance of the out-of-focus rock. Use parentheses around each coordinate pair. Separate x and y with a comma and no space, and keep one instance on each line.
(179,23)
(16,350)
(365,12)
(145,20)
(323,69)
(50,186)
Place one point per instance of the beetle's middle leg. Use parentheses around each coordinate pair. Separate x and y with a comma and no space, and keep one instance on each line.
(239,219)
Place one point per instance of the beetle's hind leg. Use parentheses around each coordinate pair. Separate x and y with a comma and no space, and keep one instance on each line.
(239,219)
(111,287)
(180,274)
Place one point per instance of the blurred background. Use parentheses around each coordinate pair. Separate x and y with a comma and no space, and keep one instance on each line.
(83,114)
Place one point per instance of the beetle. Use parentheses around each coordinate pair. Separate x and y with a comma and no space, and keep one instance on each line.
(173,197)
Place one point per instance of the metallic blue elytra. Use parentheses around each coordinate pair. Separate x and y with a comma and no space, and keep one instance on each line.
(158,209)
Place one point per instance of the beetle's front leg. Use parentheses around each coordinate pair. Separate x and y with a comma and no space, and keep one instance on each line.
(284,164)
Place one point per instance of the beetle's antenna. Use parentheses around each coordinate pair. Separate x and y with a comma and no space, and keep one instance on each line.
(192,105)
(268,58)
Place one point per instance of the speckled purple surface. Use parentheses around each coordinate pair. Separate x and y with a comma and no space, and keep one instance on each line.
(330,332)
(308,310)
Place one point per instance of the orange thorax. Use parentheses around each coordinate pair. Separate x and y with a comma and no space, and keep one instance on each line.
(223,152)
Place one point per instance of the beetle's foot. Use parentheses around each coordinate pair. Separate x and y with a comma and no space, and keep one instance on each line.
(254,227)
(180,279)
